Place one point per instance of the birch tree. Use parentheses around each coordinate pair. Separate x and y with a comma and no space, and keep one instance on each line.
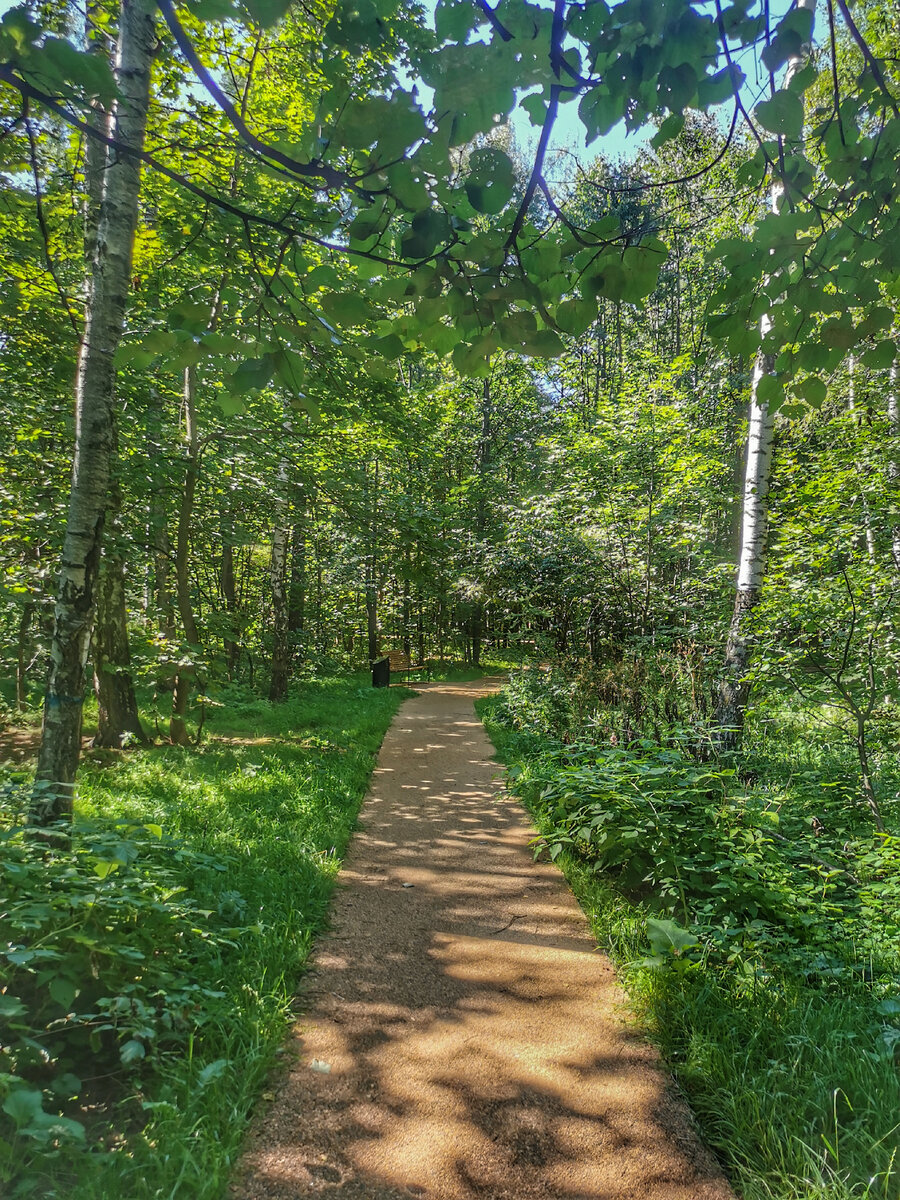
(95,417)
(735,687)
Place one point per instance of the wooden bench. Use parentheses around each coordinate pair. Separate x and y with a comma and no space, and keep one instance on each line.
(400,661)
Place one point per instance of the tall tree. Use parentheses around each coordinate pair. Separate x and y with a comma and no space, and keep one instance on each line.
(95,416)
(734,689)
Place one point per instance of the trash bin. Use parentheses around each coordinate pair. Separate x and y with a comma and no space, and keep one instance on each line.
(381,672)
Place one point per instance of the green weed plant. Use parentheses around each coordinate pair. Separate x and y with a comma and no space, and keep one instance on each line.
(149,960)
(755,919)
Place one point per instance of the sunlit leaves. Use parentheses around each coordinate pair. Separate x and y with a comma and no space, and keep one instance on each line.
(265,12)
(347,308)
(792,33)
(782,114)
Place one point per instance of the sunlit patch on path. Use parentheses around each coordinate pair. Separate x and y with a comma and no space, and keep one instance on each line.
(464,1038)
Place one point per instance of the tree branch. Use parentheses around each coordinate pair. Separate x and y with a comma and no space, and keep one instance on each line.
(52,105)
(316,171)
(870,59)
(494,21)
(45,232)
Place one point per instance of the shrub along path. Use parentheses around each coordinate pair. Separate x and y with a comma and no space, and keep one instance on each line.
(464,1038)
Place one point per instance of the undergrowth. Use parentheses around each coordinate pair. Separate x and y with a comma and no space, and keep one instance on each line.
(755,920)
(153,955)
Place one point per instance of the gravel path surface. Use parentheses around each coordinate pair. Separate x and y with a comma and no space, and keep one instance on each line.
(463,1038)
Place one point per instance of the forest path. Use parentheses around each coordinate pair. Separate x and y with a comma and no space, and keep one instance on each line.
(464,1038)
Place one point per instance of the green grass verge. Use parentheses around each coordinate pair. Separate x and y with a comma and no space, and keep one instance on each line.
(790,1083)
(273,793)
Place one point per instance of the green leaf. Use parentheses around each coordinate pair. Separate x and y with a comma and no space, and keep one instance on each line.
(67,1086)
(428,229)
(189,315)
(599,112)
(793,32)
(475,360)
(715,89)
(575,316)
(536,107)
(132,1051)
(668,938)
(23,1105)
(212,1071)
(769,391)
(212,10)
(670,128)
(813,390)
(265,12)
(879,357)
(11,1006)
(677,86)
(253,374)
(63,991)
(347,308)
(783,114)
(89,71)
(453,19)
(491,179)
(546,343)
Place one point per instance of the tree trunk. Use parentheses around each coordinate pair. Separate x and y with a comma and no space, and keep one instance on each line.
(278,575)
(117,710)
(281,648)
(187,667)
(95,422)
(868,527)
(278,580)
(372,568)
(893,409)
(159,527)
(297,587)
(484,464)
(21,637)
(227,581)
(734,688)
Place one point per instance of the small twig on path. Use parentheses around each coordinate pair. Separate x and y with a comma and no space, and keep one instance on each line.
(514,917)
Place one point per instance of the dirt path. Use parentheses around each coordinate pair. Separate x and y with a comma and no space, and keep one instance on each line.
(464,1038)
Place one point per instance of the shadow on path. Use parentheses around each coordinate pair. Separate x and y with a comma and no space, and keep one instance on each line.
(464,1038)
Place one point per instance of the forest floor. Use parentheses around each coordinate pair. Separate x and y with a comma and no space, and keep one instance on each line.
(462,1035)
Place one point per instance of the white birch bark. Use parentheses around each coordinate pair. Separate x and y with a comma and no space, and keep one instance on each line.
(735,689)
(95,420)
(893,411)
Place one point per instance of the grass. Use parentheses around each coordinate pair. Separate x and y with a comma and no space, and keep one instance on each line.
(273,792)
(795,1083)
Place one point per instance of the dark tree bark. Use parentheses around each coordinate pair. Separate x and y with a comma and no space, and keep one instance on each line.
(116,703)
(187,668)
(484,464)
(372,566)
(297,589)
(227,585)
(281,647)
(95,421)
(279,575)
(21,643)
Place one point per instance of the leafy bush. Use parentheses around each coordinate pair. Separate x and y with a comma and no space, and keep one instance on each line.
(756,924)
(780,876)
(108,956)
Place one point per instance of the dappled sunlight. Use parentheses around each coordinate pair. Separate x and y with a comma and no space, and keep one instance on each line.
(466,1039)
